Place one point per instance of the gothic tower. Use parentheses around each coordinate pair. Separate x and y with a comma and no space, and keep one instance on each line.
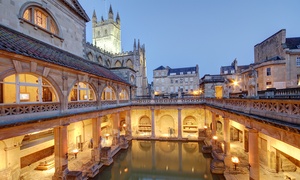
(107,33)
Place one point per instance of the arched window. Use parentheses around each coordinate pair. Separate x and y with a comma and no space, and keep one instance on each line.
(25,88)
(118,64)
(129,64)
(90,56)
(132,79)
(41,18)
(123,95)
(82,92)
(108,94)
(100,60)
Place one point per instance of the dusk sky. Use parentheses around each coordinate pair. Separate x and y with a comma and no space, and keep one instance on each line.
(211,33)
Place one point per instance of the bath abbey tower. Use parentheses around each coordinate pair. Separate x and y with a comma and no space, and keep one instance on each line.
(106,50)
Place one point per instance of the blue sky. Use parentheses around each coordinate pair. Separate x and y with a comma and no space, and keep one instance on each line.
(210,33)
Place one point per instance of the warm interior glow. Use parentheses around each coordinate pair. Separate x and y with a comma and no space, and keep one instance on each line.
(235,160)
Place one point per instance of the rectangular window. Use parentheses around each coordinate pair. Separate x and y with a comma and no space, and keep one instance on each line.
(40,19)
(157,88)
(191,79)
(176,89)
(172,89)
(163,89)
(171,81)
(181,73)
(268,71)
(298,61)
(232,71)
(186,79)
(268,83)
(162,80)
(225,72)
(298,79)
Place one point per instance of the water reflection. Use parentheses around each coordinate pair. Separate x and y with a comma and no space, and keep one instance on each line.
(159,160)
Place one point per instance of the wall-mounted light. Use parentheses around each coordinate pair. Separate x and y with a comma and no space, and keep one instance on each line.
(24,96)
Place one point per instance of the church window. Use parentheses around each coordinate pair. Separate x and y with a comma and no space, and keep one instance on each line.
(108,94)
(40,18)
(298,61)
(123,95)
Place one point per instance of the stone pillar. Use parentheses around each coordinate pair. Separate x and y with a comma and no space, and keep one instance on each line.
(116,128)
(96,126)
(60,152)
(179,124)
(152,123)
(253,154)
(128,123)
(213,124)
(227,141)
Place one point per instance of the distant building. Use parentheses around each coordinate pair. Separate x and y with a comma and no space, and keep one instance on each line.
(106,50)
(171,81)
(212,86)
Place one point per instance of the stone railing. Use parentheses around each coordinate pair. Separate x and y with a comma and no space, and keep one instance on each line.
(16,109)
(169,101)
(283,110)
(84,104)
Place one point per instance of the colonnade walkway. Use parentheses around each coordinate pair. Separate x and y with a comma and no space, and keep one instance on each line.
(242,171)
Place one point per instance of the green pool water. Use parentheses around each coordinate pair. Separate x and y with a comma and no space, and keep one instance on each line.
(160,160)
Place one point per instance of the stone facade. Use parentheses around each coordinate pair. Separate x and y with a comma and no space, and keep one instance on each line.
(175,81)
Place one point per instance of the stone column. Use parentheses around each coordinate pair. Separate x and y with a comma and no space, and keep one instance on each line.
(179,124)
(152,123)
(213,124)
(116,128)
(227,141)
(253,154)
(60,152)
(128,123)
(96,126)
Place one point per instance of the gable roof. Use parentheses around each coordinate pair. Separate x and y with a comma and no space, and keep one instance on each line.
(75,5)
(16,42)
(160,68)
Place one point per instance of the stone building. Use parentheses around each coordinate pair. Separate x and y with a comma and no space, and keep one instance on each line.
(56,106)
(276,64)
(106,50)
(170,81)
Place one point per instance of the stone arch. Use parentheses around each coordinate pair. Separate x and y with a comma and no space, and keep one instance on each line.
(166,125)
(99,59)
(144,120)
(82,91)
(108,93)
(118,64)
(27,5)
(90,56)
(190,120)
(129,63)
(32,87)
(123,95)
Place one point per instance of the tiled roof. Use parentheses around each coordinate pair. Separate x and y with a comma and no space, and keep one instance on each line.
(183,70)
(15,42)
(160,68)
(292,43)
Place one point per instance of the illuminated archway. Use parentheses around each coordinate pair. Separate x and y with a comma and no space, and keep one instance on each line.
(166,125)
(24,88)
(123,95)
(108,94)
(82,91)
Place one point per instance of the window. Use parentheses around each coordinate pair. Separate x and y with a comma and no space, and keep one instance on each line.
(162,80)
(123,95)
(108,94)
(226,72)
(298,79)
(40,18)
(24,88)
(268,83)
(298,61)
(82,92)
(171,81)
(232,71)
(186,80)
(163,89)
(172,89)
(181,73)
(268,71)
(191,79)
